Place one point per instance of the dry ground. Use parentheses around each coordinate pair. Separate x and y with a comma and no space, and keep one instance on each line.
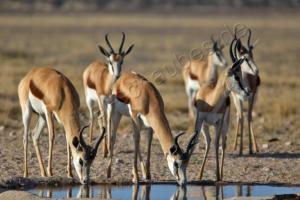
(69,43)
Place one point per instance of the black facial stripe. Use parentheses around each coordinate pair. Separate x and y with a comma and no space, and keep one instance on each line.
(239,82)
(81,162)
(247,61)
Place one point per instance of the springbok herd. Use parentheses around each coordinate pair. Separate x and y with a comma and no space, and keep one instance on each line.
(51,95)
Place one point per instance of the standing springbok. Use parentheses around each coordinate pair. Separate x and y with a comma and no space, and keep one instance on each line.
(212,103)
(98,79)
(198,72)
(250,74)
(134,96)
(50,94)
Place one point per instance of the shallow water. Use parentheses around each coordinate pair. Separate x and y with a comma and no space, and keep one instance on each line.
(157,192)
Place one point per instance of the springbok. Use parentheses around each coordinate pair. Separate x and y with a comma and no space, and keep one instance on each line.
(250,74)
(50,94)
(98,79)
(212,103)
(198,72)
(134,96)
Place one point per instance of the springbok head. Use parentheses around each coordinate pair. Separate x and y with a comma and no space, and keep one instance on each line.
(178,159)
(234,79)
(115,59)
(217,53)
(84,155)
(249,66)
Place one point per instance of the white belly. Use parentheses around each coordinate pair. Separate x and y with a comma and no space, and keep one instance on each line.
(39,107)
(211,118)
(91,94)
(37,104)
(193,84)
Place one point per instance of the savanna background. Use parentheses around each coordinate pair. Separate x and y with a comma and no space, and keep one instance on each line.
(65,34)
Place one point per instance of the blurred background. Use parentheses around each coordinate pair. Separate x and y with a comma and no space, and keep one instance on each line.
(64,34)
(94,5)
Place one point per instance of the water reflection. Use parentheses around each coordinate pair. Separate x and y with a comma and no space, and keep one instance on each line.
(172,192)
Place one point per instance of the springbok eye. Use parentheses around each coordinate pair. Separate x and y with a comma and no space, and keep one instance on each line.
(81,162)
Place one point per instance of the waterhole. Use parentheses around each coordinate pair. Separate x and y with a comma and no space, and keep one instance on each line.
(162,191)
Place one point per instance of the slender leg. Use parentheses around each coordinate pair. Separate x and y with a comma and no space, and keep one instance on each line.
(205,130)
(51,140)
(239,129)
(241,136)
(26,116)
(149,142)
(69,166)
(116,117)
(224,129)
(250,127)
(136,139)
(217,140)
(222,154)
(35,137)
(143,168)
(89,104)
(103,117)
(236,133)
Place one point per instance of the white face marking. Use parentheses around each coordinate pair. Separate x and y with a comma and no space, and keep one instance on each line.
(219,61)
(78,167)
(171,166)
(249,67)
(114,66)
(82,171)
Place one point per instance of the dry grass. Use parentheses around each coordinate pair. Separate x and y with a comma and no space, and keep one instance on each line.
(68,43)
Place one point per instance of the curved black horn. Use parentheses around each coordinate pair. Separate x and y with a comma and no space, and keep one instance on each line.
(108,43)
(249,38)
(98,141)
(238,41)
(177,137)
(122,43)
(81,139)
(192,142)
(232,54)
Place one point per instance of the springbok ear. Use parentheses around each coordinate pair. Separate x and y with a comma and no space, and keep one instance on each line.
(103,51)
(129,50)
(173,150)
(76,144)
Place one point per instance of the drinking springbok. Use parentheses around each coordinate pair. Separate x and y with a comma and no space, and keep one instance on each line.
(51,95)
(136,97)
